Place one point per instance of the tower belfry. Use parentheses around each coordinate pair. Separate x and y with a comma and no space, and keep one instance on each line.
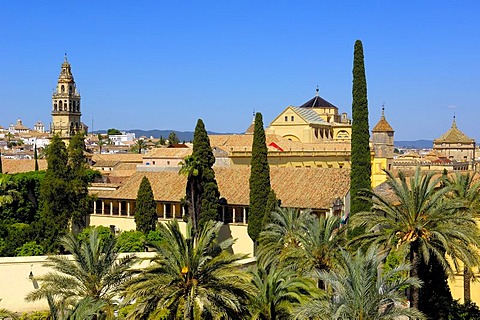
(66,105)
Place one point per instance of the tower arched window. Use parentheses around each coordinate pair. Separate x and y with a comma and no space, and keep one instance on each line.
(60,105)
(62,88)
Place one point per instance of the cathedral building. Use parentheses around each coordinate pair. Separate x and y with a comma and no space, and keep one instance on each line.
(66,113)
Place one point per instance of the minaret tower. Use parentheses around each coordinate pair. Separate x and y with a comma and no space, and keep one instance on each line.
(66,105)
(383,146)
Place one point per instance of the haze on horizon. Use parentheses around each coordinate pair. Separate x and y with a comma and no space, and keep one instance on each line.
(163,65)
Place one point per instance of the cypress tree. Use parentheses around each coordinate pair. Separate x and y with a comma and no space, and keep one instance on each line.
(360,175)
(145,208)
(35,156)
(208,190)
(272,205)
(56,198)
(78,182)
(1,169)
(259,180)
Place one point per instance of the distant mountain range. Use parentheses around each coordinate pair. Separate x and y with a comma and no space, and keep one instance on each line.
(417,144)
(188,136)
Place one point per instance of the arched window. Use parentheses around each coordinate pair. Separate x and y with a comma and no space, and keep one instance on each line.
(62,88)
(286,118)
(60,105)
(292,118)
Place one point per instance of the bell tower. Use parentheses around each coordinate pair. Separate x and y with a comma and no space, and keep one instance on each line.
(66,105)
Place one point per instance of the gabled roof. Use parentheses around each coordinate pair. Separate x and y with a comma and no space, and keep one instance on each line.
(454,135)
(383,125)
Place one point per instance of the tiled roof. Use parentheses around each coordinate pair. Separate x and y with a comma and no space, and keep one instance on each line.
(313,188)
(121,157)
(383,125)
(22,165)
(124,170)
(106,163)
(177,153)
(454,135)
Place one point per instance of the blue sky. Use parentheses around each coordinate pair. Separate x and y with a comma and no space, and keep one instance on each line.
(163,64)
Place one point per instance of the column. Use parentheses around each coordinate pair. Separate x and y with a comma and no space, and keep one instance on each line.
(234,215)
(173,211)
(94,206)
(111,207)
(103,207)
(128,208)
(119,208)
(164,211)
(244,215)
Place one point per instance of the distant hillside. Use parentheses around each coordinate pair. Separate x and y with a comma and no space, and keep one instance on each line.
(182,135)
(417,144)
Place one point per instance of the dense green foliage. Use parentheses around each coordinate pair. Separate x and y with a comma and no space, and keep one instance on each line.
(172,138)
(259,180)
(191,279)
(423,220)
(113,131)
(35,156)
(1,167)
(360,174)
(202,193)
(145,208)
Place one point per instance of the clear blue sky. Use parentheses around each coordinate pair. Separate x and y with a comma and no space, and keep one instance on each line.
(163,64)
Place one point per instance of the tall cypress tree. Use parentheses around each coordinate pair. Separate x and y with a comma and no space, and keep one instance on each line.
(56,197)
(78,182)
(1,169)
(145,208)
(206,184)
(35,156)
(360,175)
(259,180)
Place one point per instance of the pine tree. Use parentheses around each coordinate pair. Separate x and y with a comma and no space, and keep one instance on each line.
(360,175)
(259,180)
(208,189)
(35,156)
(56,198)
(145,208)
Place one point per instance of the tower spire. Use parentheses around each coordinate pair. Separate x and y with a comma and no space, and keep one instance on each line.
(454,123)
(316,91)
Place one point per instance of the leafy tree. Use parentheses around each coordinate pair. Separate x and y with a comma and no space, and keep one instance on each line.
(360,174)
(419,220)
(113,131)
(191,279)
(259,180)
(161,141)
(30,249)
(172,138)
(131,241)
(104,234)
(203,184)
(145,208)
(360,291)
(96,273)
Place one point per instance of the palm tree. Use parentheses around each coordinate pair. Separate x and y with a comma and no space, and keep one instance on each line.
(140,145)
(94,271)
(418,217)
(191,167)
(358,289)
(191,281)
(282,235)
(278,291)
(7,193)
(320,242)
(7,314)
(465,189)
